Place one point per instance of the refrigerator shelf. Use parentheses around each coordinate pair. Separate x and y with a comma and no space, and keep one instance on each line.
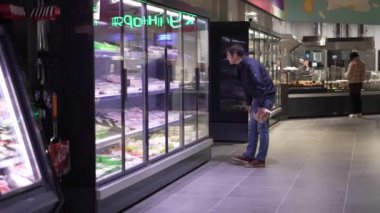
(10,161)
(114,139)
(136,92)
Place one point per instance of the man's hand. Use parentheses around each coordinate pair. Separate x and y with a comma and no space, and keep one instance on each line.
(262,115)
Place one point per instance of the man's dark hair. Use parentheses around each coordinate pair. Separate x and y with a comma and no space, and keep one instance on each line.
(353,55)
(236,48)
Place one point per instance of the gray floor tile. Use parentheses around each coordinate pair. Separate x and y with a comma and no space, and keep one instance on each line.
(363,188)
(321,172)
(311,207)
(245,205)
(268,182)
(215,179)
(206,190)
(257,193)
(318,184)
(278,171)
(367,207)
(230,167)
(323,193)
(184,203)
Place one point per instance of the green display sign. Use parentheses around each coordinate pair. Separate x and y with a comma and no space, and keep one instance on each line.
(157,20)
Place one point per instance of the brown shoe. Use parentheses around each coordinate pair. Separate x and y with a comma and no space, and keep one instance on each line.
(241,159)
(255,164)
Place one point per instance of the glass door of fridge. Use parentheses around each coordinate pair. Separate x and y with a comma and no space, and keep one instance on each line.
(174,70)
(134,64)
(203,67)
(190,78)
(18,166)
(108,89)
(156,87)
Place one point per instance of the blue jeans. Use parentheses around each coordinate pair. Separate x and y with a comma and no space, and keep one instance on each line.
(256,129)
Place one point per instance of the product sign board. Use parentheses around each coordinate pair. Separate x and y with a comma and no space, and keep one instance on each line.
(158,20)
(274,7)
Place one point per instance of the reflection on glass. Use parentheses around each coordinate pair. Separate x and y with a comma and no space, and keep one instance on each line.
(262,48)
(174,71)
(156,85)
(251,43)
(18,166)
(203,90)
(108,119)
(257,45)
(134,62)
(278,71)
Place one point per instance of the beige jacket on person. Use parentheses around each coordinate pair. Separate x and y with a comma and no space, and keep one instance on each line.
(356,72)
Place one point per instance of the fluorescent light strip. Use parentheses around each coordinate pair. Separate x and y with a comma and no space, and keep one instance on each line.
(128,2)
(171,13)
(154,9)
(201,21)
(187,17)
(132,3)
(101,23)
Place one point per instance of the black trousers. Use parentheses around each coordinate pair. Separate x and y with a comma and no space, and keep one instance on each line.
(356,102)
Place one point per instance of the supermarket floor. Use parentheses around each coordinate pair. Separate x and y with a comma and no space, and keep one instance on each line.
(314,165)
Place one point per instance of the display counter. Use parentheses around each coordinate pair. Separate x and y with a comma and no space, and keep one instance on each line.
(325,92)
(302,105)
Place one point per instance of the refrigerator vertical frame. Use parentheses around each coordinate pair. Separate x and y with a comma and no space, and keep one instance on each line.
(124,93)
(182,89)
(197,80)
(167,90)
(146,95)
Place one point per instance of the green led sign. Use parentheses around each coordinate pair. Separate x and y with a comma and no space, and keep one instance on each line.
(152,20)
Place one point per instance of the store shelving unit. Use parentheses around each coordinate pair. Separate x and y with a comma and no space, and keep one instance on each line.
(151,97)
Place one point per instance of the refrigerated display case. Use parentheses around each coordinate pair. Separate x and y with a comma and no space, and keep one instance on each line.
(228,100)
(227,106)
(151,93)
(26,180)
(266,49)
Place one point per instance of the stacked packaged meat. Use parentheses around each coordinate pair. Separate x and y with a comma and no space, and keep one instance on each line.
(108,123)
(13,172)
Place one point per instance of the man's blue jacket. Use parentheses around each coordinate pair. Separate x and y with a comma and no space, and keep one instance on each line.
(255,80)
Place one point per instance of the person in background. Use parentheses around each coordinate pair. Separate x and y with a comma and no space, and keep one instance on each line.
(260,96)
(356,74)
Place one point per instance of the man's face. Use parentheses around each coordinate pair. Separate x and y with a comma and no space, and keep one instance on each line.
(232,58)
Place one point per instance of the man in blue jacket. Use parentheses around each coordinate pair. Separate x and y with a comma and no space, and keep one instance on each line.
(260,96)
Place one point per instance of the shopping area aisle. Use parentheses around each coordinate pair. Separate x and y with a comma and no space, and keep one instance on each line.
(314,165)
